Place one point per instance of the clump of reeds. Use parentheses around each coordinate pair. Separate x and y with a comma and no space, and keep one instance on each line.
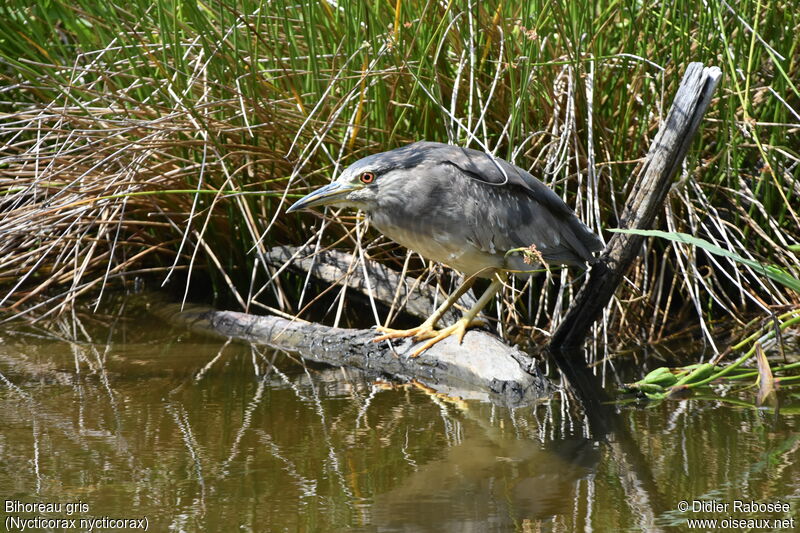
(167,138)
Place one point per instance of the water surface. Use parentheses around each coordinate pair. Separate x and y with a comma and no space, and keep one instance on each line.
(135,419)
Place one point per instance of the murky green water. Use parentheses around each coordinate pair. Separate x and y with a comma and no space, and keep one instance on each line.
(134,420)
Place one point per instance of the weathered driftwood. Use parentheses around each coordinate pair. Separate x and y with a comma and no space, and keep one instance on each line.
(386,286)
(664,158)
(482,367)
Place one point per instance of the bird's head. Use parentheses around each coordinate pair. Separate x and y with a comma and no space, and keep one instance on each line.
(370,179)
(356,187)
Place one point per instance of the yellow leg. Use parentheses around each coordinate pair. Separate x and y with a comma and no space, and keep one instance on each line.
(426,329)
(459,329)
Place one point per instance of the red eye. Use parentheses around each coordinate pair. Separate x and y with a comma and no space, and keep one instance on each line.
(367,177)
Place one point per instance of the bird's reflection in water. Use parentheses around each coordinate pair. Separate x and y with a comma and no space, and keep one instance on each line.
(492,479)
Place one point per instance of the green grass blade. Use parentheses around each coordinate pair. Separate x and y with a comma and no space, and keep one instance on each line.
(771,271)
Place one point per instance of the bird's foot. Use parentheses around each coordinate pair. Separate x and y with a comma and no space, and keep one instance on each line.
(459,329)
(423,331)
(426,331)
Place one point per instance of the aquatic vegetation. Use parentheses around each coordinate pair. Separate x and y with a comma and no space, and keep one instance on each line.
(664,382)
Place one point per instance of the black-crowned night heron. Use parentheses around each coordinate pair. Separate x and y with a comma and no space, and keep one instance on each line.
(460,207)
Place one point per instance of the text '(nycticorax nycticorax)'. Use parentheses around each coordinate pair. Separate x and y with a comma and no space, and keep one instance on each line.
(463,208)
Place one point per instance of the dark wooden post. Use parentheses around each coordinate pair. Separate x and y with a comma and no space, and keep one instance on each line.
(663,160)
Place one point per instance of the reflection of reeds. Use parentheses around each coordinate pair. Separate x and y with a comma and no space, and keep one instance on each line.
(128,132)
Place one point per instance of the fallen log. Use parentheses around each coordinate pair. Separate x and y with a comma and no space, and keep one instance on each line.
(483,367)
(384,284)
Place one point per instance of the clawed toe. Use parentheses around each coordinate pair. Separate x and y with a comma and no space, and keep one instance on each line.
(459,329)
(426,331)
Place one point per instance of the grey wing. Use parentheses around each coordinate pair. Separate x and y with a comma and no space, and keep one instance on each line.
(531,212)
(510,218)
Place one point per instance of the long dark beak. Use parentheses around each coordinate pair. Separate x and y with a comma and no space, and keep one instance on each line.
(329,194)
